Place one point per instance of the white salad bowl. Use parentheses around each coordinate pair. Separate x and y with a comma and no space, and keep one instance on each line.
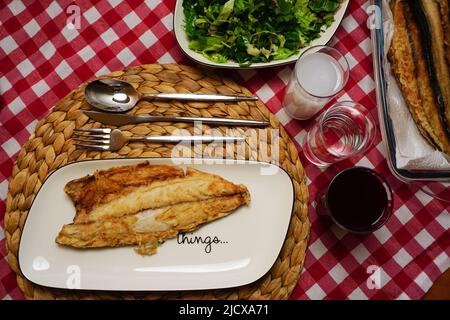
(183,41)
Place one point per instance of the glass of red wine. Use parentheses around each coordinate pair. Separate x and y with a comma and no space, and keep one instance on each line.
(358,200)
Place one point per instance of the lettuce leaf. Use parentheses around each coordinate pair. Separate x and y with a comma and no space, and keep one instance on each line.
(249,31)
(323,5)
(225,13)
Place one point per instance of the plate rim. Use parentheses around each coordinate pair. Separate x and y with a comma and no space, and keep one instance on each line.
(257,65)
(253,279)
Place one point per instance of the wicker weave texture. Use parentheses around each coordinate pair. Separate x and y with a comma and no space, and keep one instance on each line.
(51,147)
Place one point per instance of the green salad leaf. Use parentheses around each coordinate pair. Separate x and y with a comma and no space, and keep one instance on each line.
(249,31)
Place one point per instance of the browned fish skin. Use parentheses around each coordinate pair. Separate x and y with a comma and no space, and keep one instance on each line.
(126,230)
(438,68)
(105,185)
(445,18)
(160,201)
(412,71)
(426,92)
(401,57)
(192,186)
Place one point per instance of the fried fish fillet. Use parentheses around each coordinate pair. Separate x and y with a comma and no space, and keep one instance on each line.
(149,228)
(102,187)
(143,187)
(426,90)
(428,17)
(444,8)
(411,71)
(145,204)
(403,66)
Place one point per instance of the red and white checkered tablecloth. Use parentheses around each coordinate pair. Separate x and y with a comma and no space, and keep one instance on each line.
(42,59)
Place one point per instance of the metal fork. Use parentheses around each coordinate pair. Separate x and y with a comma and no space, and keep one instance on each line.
(112,140)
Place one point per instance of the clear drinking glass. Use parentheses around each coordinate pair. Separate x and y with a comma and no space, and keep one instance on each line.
(319,74)
(344,130)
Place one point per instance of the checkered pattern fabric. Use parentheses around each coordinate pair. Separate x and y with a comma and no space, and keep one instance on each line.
(46,52)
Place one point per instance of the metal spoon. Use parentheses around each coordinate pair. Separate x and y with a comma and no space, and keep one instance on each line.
(114,95)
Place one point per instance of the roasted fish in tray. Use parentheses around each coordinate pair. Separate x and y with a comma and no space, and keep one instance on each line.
(420,58)
(145,204)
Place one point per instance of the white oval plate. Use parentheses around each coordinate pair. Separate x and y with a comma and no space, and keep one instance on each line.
(183,42)
(251,237)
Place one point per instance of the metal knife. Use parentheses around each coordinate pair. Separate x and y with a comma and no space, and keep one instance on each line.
(117,119)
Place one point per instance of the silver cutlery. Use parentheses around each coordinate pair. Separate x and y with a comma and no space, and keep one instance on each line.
(112,140)
(113,95)
(117,119)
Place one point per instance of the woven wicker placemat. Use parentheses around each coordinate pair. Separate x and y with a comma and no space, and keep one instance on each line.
(51,147)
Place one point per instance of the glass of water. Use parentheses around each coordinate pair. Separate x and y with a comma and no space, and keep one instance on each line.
(319,74)
(347,128)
